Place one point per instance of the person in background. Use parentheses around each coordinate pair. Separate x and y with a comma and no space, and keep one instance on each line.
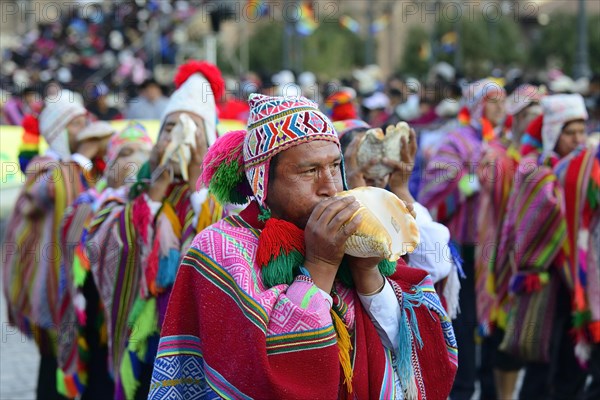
(26,102)
(450,191)
(99,105)
(150,103)
(83,369)
(340,104)
(496,173)
(548,243)
(31,265)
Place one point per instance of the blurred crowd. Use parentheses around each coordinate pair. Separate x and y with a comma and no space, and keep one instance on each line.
(104,51)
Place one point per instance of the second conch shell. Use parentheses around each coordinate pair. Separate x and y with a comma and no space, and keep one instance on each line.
(183,141)
(387,228)
(376,145)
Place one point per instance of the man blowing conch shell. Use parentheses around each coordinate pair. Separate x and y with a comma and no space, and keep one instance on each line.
(266,304)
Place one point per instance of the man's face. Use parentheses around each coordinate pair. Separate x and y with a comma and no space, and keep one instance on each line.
(164,137)
(524,117)
(495,110)
(304,175)
(124,169)
(73,128)
(152,92)
(572,136)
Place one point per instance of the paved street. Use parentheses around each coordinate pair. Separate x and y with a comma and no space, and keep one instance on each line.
(19,358)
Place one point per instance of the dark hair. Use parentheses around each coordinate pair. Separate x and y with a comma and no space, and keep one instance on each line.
(149,82)
(348,137)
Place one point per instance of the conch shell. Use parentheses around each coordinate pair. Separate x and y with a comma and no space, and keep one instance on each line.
(387,228)
(376,145)
(183,140)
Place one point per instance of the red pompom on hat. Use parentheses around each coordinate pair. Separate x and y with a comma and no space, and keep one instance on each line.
(208,70)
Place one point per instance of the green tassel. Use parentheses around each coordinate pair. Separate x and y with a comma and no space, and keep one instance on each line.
(146,325)
(282,269)
(264,215)
(386,267)
(60,383)
(136,310)
(128,381)
(79,273)
(143,178)
(225,183)
(593,195)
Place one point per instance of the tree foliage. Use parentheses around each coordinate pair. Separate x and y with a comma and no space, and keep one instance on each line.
(556,43)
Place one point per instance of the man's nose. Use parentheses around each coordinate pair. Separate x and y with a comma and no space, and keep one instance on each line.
(326,184)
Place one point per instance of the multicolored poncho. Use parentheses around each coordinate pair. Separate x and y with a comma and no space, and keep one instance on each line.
(547,235)
(228,335)
(449,175)
(496,176)
(134,266)
(31,268)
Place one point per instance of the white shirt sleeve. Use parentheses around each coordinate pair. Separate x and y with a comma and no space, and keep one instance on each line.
(384,310)
(432,254)
(83,161)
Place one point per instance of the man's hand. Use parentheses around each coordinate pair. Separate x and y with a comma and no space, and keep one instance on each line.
(158,188)
(354,174)
(198,153)
(402,170)
(325,235)
(91,148)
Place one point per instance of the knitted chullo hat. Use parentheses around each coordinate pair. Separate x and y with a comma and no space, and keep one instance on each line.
(134,132)
(51,124)
(54,119)
(522,97)
(559,110)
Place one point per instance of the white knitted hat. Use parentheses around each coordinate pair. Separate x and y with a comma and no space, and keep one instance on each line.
(53,121)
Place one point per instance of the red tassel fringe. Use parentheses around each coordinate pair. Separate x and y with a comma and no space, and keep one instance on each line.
(152,269)
(277,236)
(208,70)
(141,217)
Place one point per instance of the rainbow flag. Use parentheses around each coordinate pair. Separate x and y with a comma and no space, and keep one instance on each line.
(380,23)
(307,22)
(350,23)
